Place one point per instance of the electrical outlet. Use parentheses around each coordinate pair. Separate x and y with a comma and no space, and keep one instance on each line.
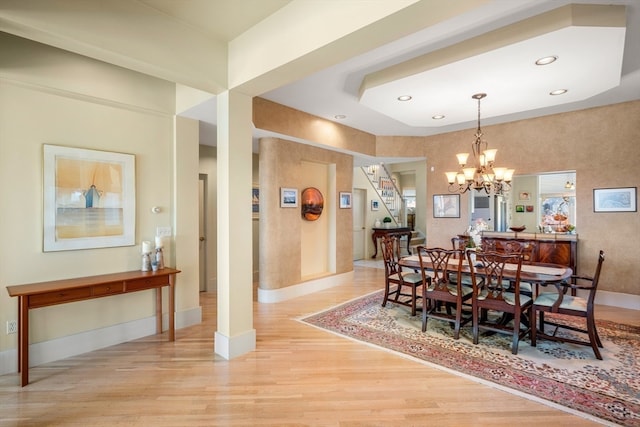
(163,231)
(12,327)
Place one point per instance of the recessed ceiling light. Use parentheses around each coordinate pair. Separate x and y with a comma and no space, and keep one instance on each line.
(546,60)
(438,117)
(404,98)
(558,92)
(340,116)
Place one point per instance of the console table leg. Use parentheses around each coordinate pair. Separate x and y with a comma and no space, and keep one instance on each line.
(159,310)
(23,340)
(374,237)
(172,307)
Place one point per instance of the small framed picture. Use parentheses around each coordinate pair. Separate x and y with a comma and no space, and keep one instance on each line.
(255,200)
(524,195)
(519,208)
(615,199)
(288,197)
(374,205)
(529,208)
(345,200)
(446,206)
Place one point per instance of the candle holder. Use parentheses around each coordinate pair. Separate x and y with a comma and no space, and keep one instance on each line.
(159,257)
(146,261)
(146,256)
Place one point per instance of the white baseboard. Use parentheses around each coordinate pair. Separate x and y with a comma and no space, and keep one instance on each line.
(305,288)
(616,299)
(230,347)
(72,345)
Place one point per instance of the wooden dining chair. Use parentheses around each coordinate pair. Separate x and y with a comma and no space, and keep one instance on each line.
(525,247)
(489,293)
(434,263)
(400,286)
(460,243)
(570,305)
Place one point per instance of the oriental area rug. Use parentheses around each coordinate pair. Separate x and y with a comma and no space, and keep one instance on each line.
(562,375)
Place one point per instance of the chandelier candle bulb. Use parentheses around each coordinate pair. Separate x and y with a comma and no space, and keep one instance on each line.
(462,158)
(500,172)
(490,155)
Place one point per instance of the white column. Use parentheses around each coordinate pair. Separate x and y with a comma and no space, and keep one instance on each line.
(235,335)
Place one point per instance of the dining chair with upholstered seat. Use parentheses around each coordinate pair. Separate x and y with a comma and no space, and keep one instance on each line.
(550,302)
(490,294)
(460,243)
(401,286)
(434,263)
(525,247)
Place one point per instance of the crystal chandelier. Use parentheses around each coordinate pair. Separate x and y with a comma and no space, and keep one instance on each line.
(482,175)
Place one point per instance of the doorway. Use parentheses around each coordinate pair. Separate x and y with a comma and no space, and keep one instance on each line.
(359,215)
(202,230)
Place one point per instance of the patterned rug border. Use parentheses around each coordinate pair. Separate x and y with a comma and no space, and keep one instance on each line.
(303,319)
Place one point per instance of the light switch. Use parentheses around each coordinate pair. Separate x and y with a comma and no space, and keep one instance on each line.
(163,231)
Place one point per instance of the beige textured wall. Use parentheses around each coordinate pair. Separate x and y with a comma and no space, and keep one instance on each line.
(282,164)
(270,116)
(600,144)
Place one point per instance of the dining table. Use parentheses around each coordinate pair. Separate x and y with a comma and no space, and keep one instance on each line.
(543,274)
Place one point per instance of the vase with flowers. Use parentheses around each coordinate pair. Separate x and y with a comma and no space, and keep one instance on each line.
(475,232)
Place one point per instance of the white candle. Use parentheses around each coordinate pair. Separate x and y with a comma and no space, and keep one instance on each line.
(159,242)
(146,247)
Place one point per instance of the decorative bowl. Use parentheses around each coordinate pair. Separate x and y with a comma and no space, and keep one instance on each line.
(517,229)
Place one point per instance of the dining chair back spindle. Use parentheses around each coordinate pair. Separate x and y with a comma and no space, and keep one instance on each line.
(400,285)
(583,307)
(491,294)
(441,292)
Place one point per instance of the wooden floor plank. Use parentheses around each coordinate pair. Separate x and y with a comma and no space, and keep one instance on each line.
(298,376)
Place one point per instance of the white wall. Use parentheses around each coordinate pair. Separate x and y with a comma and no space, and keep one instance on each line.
(49,96)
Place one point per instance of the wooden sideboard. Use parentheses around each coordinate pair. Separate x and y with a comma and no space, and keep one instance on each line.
(394,231)
(43,294)
(550,248)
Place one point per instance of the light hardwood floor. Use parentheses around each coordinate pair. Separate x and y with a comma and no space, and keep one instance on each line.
(298,376)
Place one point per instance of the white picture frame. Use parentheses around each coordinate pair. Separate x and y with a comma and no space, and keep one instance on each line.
(89,199)
(345,200)
(288,197)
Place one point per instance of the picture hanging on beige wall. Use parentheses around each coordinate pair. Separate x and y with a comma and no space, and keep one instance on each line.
(288,197)
(255,200)
(446,206)
(89,199)
(345,200)
(615,199)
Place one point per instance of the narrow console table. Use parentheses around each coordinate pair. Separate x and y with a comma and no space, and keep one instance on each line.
(43,294)
(399,231)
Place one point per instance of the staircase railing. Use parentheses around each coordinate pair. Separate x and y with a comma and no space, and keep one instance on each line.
(387,190)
